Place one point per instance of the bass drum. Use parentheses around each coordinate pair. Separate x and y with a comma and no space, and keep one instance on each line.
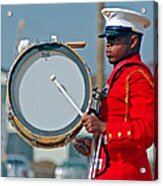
(37,109)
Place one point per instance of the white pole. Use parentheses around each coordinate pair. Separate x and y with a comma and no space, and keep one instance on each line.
(92,160)
(97,156)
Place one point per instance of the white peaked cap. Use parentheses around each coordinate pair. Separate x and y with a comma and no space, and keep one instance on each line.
(118,17)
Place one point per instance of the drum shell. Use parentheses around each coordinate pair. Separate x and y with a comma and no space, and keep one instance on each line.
(42,141)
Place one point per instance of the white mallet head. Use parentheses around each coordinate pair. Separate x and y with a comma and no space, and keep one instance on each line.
(52,77)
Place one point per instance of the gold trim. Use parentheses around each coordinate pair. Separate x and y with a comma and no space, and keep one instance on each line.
(127,89)
(44,141)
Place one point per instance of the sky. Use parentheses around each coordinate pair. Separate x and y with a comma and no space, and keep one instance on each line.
(70,22)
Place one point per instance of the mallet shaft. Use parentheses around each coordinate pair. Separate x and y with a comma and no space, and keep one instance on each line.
(66,95)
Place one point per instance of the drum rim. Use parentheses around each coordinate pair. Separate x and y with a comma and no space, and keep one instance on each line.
(23,129)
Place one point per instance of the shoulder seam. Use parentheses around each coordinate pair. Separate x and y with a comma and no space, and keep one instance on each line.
(143,74)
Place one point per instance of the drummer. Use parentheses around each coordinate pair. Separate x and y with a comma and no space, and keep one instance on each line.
(126,115)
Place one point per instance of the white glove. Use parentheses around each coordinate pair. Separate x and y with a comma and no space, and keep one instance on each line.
(24,44)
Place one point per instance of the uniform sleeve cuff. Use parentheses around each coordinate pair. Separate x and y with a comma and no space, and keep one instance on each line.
(118,132)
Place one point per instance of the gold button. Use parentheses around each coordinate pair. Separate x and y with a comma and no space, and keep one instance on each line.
(129,133)
(110,135)
(119,134)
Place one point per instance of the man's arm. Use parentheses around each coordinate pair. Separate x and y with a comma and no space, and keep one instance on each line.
(139,127)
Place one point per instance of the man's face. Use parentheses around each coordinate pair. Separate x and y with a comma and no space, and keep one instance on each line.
(117,48)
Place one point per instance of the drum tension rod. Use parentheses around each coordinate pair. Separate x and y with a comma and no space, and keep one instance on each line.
(67,138)
(34,140)
(11,118)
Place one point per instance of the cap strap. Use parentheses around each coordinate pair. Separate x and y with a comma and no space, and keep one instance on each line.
(118,28)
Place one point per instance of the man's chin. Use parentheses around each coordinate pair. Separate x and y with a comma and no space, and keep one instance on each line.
(111,61)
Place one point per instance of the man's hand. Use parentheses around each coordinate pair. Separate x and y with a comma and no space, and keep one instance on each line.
(93,124)
(83,146)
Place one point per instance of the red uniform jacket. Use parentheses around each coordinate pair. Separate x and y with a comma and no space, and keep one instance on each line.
(128,110)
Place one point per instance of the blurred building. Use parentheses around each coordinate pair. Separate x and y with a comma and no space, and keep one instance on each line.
(4,122)
(11,143)
(16,145)
(23,153)
(44,169)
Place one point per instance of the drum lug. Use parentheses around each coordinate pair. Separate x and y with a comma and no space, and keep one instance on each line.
(7,77)
(67,138)
(11,118)
(34,140)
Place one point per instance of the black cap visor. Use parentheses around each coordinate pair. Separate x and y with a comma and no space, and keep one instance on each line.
(115,31)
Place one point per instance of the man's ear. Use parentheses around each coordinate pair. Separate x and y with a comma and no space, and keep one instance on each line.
(134,41)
